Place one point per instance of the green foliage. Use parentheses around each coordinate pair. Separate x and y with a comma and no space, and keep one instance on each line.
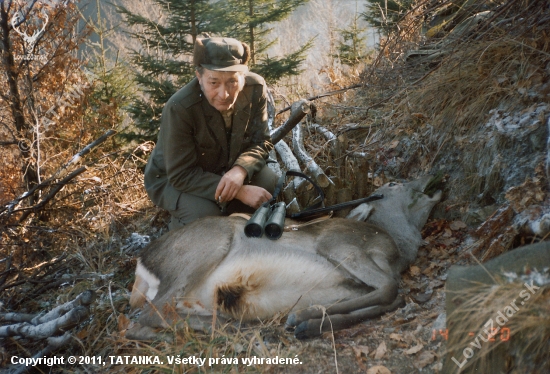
(384,14)
(247,20)
(273,69)
(352,49)
(113,88)
(112,93)
(164,63)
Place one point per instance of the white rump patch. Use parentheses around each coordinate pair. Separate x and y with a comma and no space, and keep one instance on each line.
(152,281)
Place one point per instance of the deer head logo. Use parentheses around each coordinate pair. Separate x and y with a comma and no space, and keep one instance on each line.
(31,40)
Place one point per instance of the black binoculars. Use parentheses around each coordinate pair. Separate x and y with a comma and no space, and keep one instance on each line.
(268,219)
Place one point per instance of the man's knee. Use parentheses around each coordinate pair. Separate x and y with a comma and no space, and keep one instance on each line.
(190,208)
(175,223)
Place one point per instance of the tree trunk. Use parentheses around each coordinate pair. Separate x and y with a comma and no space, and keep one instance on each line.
(30,176)
(193,23)
(251,31)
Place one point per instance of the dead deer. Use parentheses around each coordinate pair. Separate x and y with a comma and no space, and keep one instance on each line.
(329,275)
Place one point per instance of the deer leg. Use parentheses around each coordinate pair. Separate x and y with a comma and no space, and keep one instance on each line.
(314,327)
(204,323)
(194,321)
(385,294)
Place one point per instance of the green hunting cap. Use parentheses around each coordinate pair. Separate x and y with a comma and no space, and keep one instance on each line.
(221,54)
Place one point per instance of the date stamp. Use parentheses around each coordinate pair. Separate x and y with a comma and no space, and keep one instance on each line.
(495,334)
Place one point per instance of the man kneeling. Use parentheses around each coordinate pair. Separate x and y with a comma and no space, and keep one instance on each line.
(210,158)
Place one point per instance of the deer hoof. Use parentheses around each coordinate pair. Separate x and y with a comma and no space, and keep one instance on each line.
(303,331)
(291,322)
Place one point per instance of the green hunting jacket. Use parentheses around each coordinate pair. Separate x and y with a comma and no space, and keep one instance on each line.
(193,148)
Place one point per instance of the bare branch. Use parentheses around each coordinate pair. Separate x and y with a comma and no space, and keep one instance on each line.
(10,207)
(48,329)
(330,93)
(12,142)
(61,318)
(4,275)
(17,317)
(336,145)
(84,151)
(84,299)
(291,163)
(57,187)
(305,158)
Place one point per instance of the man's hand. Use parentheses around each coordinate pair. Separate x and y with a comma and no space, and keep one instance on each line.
(253,196)
(230,184)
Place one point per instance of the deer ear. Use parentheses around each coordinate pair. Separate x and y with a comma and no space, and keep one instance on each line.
(361,213)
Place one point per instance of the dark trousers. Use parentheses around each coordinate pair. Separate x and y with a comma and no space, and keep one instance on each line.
(190,207)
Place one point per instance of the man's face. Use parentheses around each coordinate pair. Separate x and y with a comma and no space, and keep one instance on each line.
(221,88)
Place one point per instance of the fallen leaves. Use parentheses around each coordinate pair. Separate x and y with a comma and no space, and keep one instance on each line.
(457,225)
(424,359)
(429,271)
(531,192)
(411,351)
(360,350)
(444,235)
(397,337)
(379,369)
(380,351)
(414,270)
(123,322)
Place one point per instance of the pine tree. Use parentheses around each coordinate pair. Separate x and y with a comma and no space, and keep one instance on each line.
(385,14)
(248,20)
(165,61)
(352,49)
(113,89)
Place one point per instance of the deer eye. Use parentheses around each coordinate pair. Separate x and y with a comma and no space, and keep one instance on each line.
(392,184)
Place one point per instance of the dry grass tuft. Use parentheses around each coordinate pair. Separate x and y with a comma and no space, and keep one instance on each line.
(523,334)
